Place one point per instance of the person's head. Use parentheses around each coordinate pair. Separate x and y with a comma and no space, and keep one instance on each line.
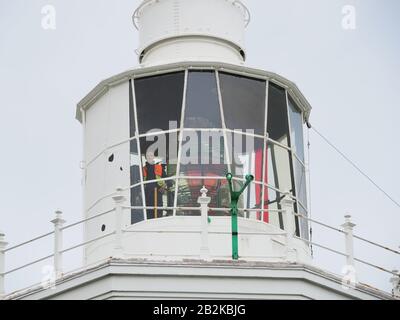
(150,157)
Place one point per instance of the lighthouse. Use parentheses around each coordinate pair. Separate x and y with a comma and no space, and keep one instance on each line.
(160,141)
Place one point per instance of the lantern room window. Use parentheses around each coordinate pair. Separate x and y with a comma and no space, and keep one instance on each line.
(189,128)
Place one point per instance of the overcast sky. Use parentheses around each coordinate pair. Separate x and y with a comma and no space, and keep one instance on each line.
(350,77)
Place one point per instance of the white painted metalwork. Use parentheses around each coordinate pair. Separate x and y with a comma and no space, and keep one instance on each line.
(103,87)
(228,233)
(86,220)
(202,231)
(135,16)
(348,230)
(289,225)
(204,201)
(221,110)
(376,244)
(265,147)
(28,264)
(58,243)
(28,241)
(181,208)
(317,222)
(210,30)
(180,137)
(88,242)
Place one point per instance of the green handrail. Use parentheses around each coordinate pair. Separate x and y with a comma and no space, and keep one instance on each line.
(235,195)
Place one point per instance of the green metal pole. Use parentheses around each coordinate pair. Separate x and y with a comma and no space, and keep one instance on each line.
(235,195)
(235,244)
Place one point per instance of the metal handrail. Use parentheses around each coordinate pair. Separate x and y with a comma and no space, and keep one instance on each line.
(181,177)
(317,222)
(87,242)
(377,244)
(345,255)
(52,232)
(62,251)
(28,241)
(87,219)
(322,246)
(119,209)
(210,232)
(342,231)
(198,209)
(375,266)
(28,264)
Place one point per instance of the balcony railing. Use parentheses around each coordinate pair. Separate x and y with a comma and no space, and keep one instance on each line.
(120,209)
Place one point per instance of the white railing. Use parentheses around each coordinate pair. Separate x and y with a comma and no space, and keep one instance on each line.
(203,200)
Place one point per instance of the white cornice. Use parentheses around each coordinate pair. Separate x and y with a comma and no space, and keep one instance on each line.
(297,281)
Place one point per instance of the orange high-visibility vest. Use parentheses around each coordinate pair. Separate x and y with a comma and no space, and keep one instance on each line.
(158,169)
(158,172)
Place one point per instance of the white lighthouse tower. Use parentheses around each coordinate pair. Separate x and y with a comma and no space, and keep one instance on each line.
(207,115)
(158,143)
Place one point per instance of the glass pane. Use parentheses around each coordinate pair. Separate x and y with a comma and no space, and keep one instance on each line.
(189,192)
(135,162)
(159,162)
(278,128)
(272,201)
(250,199)
(159,196)
(246,154)
(203,158)
(134,155)
(203,154)
(163,149)
(303,223)
(159,101)
(244,102)
(296,123)
(296,220)
(279,175)
(300,178)
(202,105)
(279,172)
(132,125)
(137,215)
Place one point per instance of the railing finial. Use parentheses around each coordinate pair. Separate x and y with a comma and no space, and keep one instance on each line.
(58,222)
(203,200)
(203,191)
(348,226)
(289,226)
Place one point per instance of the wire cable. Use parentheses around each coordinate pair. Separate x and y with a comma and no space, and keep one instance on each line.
(309,189)
(354,165)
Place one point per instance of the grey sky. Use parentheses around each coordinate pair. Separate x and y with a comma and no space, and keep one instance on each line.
(350,77)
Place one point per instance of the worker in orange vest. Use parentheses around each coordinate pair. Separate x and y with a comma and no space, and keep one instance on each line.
(154,190)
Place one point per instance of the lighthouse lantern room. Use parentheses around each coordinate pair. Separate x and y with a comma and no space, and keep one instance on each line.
(187,116)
